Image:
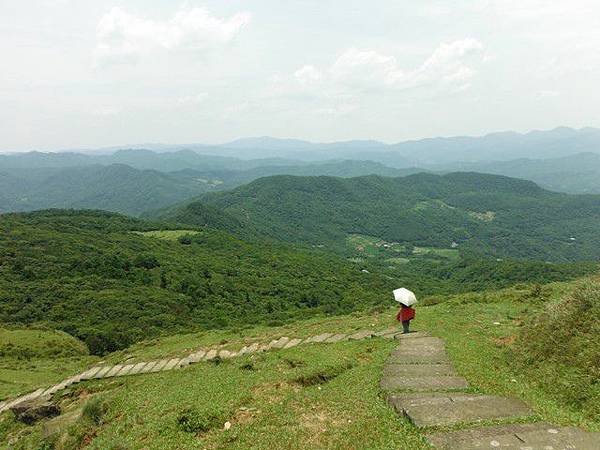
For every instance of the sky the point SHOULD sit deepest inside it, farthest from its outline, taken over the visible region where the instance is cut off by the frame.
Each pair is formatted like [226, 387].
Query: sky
[94, 73]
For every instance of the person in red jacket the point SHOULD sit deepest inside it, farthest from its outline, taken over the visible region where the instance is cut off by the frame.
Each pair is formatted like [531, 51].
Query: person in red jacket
[405, 315]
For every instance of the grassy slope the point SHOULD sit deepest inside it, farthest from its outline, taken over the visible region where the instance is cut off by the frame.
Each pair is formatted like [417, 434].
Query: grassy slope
[267, 400]
[31, 358]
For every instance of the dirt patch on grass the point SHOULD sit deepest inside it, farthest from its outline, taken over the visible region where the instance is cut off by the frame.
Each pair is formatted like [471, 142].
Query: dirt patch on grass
[323, 375]
[273, 392]
[505, 341]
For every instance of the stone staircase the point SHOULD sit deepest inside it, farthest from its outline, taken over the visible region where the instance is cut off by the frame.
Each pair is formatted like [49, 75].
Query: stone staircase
[421, 384]
[161, 365]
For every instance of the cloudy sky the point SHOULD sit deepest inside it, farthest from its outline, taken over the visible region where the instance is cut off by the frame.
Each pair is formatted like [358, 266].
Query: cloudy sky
[91, 73]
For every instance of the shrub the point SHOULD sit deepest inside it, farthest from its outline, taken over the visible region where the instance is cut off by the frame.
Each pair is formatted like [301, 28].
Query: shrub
[94, 410]
[195, 421]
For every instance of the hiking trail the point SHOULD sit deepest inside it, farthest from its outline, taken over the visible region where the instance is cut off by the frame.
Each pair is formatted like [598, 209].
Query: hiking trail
[421, 383]
[124, 369]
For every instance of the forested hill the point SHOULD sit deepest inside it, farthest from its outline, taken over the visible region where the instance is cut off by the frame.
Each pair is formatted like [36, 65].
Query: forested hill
[110, 281]
[489, 214]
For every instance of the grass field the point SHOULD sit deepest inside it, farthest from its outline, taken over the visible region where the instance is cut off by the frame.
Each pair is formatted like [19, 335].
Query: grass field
[169, 235]
[313, 396]
[395, 253]
[33, 358]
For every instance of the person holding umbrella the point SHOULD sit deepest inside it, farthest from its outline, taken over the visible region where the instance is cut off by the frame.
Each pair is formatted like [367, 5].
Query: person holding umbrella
[406, 299]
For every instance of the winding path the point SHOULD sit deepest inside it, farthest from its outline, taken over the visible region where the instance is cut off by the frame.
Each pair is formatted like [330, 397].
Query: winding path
[421, 384]
[199, 355]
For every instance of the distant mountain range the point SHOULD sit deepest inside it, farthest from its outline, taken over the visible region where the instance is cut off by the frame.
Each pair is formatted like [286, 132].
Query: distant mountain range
[135, 180]
[504, 146]
[126, 189]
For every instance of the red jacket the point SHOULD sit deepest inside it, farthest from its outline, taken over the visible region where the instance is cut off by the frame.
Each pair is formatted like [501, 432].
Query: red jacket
[405, 314]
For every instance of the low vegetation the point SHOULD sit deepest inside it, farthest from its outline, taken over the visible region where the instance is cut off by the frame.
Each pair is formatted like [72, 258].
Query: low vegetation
[560, 348]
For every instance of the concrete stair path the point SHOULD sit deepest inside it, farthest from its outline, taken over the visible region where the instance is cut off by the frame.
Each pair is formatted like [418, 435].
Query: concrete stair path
[422, 385]
[199, 355]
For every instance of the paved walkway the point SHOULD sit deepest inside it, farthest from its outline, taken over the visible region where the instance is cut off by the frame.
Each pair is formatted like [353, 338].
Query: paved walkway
[200, 355]
[421, 384]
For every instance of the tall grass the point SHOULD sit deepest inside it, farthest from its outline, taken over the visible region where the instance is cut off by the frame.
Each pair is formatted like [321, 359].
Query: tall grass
[561, 347]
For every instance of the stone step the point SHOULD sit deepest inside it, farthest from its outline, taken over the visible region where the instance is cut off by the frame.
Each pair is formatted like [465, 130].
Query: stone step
[125, 370]
[137, 368]
[279, 343]
[102, 372]
[336, 338]
[171, 364]
[148, 367]
[412, 335]
[423, 383]
[531, 436]
[293, 343]
[319, 338]
[428, 356]
[159, 365]
[427, 410]
[415, 370]
[421, 342]
[359, 335]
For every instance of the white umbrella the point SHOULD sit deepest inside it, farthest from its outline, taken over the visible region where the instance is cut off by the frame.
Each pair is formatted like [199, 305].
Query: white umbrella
[405, 296]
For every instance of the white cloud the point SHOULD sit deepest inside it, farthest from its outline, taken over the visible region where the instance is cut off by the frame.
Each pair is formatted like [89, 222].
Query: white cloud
[308, 74]
[122, 37]
[451, 64]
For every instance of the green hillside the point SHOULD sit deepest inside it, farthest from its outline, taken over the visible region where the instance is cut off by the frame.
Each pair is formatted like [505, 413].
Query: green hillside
[116, 187]
[89, 274]
[483, 214]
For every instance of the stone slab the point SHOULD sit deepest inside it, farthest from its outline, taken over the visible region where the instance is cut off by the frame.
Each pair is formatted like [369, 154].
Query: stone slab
[197, 356]
[432, 383]
[137, 368]
[320, 338]
[415, 370]
[420, 342]
[225, 354]
[336, 338]
[386, 331]
[280, 343]
[210, 355]
[412, 335]
[293, 343]
[391, 335]
[453, 408]
[359, 335]
[252, 348]
[102, 372]
[517, 436]
[439, 357]
[171, 364]
[115, 370]
[125, 370]
[88, 374]
[148, 367]
[159, 365]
